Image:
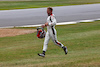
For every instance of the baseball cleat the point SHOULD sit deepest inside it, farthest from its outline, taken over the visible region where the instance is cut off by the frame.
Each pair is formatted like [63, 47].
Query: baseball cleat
[42, 55]
[65, 50]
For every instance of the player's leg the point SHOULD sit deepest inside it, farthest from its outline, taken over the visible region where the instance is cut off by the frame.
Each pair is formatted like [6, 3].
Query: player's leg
[56, 42]
[47, 38]
[53, 35]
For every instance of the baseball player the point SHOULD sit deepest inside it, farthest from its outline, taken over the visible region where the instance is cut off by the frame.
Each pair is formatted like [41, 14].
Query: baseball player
[51, 32]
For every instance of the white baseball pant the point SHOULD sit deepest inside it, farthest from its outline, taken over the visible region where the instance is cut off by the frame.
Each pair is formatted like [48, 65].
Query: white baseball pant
[53, 35]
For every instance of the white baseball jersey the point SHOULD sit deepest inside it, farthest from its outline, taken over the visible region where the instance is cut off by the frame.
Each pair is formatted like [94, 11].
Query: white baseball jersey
[51, 32]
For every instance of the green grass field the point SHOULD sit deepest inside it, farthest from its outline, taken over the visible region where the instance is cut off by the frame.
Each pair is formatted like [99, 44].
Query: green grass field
[82, 40]
[9, 5]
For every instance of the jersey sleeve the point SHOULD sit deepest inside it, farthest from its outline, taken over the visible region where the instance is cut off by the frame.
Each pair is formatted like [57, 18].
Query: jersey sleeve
[52, 21]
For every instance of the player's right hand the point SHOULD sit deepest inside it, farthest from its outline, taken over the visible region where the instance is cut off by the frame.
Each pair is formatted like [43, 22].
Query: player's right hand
[43, 26]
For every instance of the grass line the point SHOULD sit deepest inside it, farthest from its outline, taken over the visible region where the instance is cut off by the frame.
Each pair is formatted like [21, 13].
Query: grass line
[9, 5]
[82, 40]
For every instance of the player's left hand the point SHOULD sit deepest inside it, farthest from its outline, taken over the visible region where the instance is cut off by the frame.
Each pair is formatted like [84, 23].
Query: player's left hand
[46, 24]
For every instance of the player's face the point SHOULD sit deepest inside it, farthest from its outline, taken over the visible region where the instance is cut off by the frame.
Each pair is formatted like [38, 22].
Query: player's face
[49, 12]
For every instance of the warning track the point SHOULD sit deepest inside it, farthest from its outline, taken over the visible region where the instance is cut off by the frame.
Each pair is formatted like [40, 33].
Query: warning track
[15, 32]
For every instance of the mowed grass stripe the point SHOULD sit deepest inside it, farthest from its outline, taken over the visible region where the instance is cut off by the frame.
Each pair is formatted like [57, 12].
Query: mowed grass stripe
[78, 58]
[82, 40]
[9, 5]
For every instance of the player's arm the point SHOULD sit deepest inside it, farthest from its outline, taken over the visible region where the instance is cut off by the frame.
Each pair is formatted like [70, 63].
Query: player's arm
[53, 21]
[46, 24]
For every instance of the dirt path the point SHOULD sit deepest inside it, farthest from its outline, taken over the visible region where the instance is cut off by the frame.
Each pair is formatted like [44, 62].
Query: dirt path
[14, 32]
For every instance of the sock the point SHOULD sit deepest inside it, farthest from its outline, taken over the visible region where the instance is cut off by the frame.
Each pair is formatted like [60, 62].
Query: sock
[63, 47]
[44, 52]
